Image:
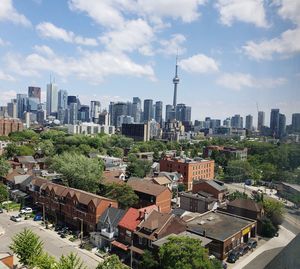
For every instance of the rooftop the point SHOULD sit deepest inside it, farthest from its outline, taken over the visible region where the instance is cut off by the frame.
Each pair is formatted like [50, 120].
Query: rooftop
[161, 180]
[217, 225]
[198, 196]
[213, 183]
[188, 160]
[246, 204]
[146, 186]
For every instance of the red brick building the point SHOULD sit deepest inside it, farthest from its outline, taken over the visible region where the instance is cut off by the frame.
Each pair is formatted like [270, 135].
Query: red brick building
[190, 169]
[8, 125]
[68, 205]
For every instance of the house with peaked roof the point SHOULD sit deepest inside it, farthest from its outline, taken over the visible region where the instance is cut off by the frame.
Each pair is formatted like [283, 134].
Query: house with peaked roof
[214, 187]
[151, 194]
[69, 206]
[107, 227]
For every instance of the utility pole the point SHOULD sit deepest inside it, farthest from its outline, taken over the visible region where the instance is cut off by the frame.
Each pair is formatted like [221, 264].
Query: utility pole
[131, 253]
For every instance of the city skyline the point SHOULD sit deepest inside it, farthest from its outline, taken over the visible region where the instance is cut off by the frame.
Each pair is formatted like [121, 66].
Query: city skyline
[230, 59]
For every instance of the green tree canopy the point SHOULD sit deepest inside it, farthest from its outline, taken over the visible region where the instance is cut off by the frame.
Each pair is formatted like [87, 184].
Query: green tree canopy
[274, 210]
[4, 167]
[78, 171]
[112, 262]
[148, 261]
[72, 261]
[237, 195]
[45, 261]
[123, 193]
[3, 193]
[27, 246]
[184, 253]
[46, 147]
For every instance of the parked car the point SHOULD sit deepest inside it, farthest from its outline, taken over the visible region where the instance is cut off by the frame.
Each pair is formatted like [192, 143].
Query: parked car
[38, 218]
[26, 210]
[16, 218]
[252, 243]
[243, 249]
[233, 256]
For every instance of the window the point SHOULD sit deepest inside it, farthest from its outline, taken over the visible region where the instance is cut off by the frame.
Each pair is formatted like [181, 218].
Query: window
[140, 240]
[150, 243]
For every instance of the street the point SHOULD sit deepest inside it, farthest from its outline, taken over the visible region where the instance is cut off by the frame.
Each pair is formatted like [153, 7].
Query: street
[53, 244]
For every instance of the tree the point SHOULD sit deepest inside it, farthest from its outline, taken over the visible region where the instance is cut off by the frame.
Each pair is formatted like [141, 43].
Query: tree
[274, 210]
[112, 262]
[123, 193]
[11, 150]
[4, 167]
[116, 152]
[78, 171]
[45, 261]
[72, 261]
[268, 228]
[238, 171]
[136, 167]
[237, 195]
[148, 261]
[3, 193]
[25, 150]
[182, 252]
[46, 147]
[27, 246]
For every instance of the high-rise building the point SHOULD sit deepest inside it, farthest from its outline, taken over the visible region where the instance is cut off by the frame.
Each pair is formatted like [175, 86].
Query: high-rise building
[237, 121]
[73, 108]
[136, 109]
[71, 99]
[34, 92]
[274, 122]
[175, 82]
[227, 122]
[84, 113]
[148, 107]
[111, 113]
[249, 122]
[119, 109]
[104, 118]
[95, 111]
[282, 126]
[12, 109]
[158, 111]
[260, 120]
[170, 113]
[296, 122]
[52, 98]
[62, 99]
[183, 112]
[32, 104]
[21, 105]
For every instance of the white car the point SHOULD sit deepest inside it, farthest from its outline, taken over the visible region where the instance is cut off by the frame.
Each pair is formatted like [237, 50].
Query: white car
[16, 218]
[26, 210]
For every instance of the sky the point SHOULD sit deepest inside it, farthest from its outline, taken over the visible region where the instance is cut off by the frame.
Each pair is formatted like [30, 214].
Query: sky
[234, 56]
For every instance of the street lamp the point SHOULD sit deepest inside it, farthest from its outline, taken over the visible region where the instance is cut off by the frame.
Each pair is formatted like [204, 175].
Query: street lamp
[81, 229]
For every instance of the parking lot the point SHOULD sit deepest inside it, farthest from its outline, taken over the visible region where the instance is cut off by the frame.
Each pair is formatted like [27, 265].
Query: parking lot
[53, 243]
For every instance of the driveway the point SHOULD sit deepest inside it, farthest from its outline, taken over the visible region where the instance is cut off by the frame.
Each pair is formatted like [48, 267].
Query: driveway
[53, 244]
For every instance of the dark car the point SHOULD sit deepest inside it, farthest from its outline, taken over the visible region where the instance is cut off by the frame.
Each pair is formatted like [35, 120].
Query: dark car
[243, 249]
[38, 218]
[233, 256]
[252, 243]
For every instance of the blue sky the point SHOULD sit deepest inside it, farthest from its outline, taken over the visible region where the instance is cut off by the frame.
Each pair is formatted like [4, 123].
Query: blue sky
[232, 54]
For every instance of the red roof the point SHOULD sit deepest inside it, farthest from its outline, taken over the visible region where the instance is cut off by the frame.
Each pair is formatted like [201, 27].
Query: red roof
[133, 217]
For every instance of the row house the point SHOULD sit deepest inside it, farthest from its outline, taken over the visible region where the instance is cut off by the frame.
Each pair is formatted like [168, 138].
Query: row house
[70, 206]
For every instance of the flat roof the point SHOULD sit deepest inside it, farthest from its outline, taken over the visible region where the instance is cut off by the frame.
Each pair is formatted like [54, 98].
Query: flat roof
[217, 225]
[294, 186]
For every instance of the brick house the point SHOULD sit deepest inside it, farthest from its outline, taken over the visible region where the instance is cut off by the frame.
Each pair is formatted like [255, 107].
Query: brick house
[68, 205]
[9, 125]
[190, 169]
[151, 194]
[214, 187]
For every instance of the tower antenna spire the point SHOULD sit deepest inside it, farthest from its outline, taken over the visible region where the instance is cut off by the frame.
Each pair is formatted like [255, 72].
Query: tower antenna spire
[175, 82]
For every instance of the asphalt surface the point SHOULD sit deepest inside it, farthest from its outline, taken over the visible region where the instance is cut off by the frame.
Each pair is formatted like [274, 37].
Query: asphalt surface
[53, 244]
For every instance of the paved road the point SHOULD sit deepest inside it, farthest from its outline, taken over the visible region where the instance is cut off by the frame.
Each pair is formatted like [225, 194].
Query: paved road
[53, 244]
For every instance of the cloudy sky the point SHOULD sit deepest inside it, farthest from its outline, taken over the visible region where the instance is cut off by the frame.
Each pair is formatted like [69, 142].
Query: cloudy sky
[233, 54]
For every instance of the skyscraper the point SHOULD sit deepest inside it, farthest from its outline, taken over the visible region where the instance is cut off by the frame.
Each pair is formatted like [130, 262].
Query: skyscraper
[175, 82]
[12, 109]
[34, 92]
[170, 113]
[62, 99]
[183, 112]
[274, 122]
[158, 111]
[282, 126]
[21, 105]
[71, 99]
[52, 98]
[119, 109]
[148, 106]
[136, 109]
[95, 111]
[237, 121]
[260, 120]
[296, 122]
[73, 109]
[249, 122]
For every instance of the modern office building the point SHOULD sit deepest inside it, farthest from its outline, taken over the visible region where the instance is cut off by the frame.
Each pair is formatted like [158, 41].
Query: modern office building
[170, 113]
[32, 104]
[12, 108]
[136, 109]
[148, 108]
[52, 98]
[124, 119]
[137, 131]
[104, 118]
[119, 109]
[73, 110]
[158, 111]
[21, 105]
[296, 122]
[260, 120]
[34, 92]
[95, 111]
[282, 126]
[183, 112]
[84, 113]
[274, 122]
[237, 121]
[62, 99]
[249, 122]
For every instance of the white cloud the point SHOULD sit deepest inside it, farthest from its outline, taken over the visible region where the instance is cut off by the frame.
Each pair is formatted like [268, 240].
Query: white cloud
[45, 50]
[3, 42]
[9, 13]
[49, 30]
[6, 96]
[199, 63]
[289, 9]
[132, 35]
[7, 77]
[90, 66]
[249, 11]
[287, 44]
[238, 81]
[173, 45]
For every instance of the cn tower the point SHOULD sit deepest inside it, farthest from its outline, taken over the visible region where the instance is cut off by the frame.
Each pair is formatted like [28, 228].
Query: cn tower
[175, 81]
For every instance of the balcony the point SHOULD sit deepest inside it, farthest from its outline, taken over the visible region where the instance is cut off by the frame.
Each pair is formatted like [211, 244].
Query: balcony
[107, 234]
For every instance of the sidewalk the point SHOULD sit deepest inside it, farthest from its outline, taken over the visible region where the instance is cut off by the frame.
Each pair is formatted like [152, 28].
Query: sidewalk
[285, 236]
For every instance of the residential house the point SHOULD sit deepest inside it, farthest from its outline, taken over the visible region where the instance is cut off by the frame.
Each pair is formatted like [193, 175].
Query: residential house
[107, 228]
[6, 260]
[70, 206]
[151, 194]
[18, 179]
[214, 187]
[26, 162]
[162, 181]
